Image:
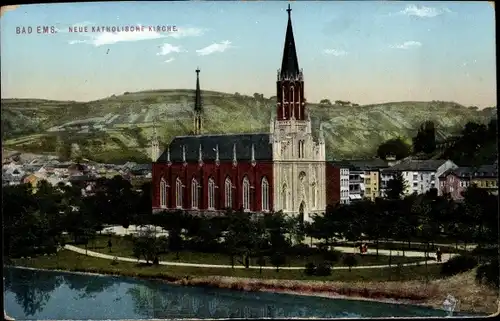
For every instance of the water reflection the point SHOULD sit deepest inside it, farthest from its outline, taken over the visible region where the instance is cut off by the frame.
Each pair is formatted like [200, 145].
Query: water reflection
[54, 295]
[31, 289]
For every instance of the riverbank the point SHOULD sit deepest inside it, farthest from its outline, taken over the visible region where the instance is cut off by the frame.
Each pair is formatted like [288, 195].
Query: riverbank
[405, 285]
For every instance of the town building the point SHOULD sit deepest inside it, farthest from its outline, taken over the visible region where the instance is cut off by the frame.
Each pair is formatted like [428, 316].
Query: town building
[283, 169]
[455, 181]
[369, 171]
[486, 177]
[420, 176]
[337, 182]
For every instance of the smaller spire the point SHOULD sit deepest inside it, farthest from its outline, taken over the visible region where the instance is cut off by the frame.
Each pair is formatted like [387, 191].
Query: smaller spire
[321, 134]
[168, 155]
[200, 155]
[234, 155]
[253, 155]
[184, 153]
[217, 161]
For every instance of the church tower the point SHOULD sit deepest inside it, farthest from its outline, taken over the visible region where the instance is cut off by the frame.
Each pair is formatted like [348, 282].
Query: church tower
[290, 84]
[298, 159]
[198, 109]
[155, 143]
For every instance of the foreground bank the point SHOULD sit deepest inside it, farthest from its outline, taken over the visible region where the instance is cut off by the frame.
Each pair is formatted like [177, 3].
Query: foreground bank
[403, 285]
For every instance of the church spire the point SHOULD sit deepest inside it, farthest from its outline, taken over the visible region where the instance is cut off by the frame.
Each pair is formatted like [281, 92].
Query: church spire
[290, 63]
[155, 144]
[198, 109]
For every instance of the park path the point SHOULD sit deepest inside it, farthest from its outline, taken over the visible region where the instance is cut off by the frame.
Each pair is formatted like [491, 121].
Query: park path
[79, 250]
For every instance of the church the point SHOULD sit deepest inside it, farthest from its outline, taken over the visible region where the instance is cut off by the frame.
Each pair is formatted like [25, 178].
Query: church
[281, 170]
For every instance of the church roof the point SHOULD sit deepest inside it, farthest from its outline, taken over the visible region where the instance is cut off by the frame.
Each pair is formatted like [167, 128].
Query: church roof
[225, 143]
[290, 63]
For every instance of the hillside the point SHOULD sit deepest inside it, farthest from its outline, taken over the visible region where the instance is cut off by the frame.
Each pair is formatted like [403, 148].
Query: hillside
[120, 126]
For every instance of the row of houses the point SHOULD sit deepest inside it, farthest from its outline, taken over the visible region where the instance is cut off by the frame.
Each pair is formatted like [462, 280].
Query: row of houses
[353, 180]
[55, 172]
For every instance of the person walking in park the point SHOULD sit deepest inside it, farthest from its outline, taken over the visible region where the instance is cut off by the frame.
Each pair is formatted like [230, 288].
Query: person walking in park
[438, 254]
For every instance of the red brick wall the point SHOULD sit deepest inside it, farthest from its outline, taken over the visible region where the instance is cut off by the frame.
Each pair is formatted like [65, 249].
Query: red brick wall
[219, 173]
[332, 184]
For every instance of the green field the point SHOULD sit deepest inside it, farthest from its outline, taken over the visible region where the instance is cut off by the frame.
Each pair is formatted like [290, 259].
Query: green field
[123, 247]
[125, 121]
[71, 261]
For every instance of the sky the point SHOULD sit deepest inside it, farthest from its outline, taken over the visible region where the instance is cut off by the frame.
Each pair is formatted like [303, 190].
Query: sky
[361, 51]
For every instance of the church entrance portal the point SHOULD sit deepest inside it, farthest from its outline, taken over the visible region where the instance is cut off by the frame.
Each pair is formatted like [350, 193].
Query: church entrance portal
[301, 211]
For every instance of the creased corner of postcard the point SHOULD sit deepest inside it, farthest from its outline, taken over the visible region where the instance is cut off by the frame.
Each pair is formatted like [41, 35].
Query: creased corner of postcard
[4, 9]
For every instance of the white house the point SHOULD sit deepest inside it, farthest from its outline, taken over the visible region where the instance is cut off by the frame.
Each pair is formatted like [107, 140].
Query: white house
[419, 175]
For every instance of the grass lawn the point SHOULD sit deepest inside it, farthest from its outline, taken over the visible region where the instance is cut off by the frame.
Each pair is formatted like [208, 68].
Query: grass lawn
[404, 246]
[71, 261]
[123, 247]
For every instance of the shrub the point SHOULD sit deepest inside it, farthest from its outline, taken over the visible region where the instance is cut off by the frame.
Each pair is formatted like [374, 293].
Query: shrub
[332, 256]
[310, 269]
[350, 261]
[324, 269]
[458, 264]
[488, 274]
[302, 250]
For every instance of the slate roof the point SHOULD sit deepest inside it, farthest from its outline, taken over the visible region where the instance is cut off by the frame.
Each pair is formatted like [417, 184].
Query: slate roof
[142, 167]
[486, 171]
[369, 164]
[462, 172]
[429, 165]
[483, 171]
[262, 147]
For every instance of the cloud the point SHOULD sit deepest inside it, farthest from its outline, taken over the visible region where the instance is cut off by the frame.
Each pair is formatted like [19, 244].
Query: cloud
[406, 45]
[213, 48]
[422, 11]
[167, 49]
[4, 9]
[169, 60]
[108, 38]
[335, 52]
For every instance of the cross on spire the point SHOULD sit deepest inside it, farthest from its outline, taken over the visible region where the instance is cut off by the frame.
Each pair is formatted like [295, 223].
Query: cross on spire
[289, 10]
[197, 70]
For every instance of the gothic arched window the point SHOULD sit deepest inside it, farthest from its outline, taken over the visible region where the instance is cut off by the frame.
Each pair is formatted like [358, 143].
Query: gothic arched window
[246, 194]
[283, 197]
[178, 193]
[211, 194]
[265, 194]
[163, 193]
[228, 193]
[194, 194]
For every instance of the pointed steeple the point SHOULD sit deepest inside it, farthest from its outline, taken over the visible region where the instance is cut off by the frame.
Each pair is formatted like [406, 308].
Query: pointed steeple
[198, 108]
[200, 155]
[217, 154]
[235, 160]
[197, 98]
[155, 144]
[290, 63]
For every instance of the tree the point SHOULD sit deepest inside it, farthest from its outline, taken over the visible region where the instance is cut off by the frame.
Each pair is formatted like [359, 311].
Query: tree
[325, 102]
[278, 259]
[394, 147]
[146, 245]
[396, 187]
[425, 140]
[350, 261]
